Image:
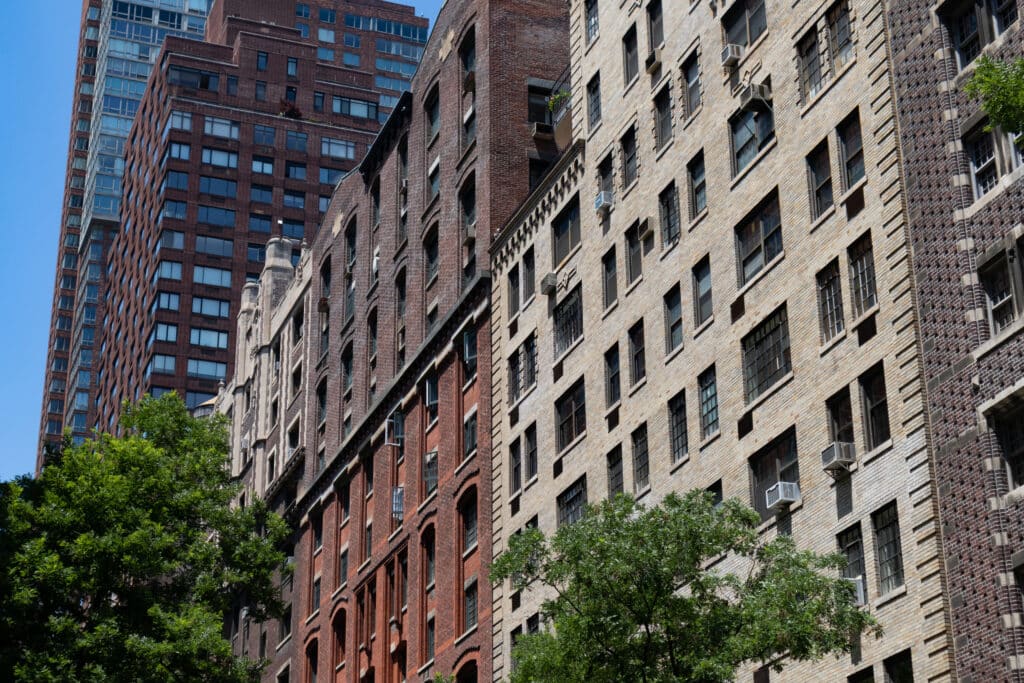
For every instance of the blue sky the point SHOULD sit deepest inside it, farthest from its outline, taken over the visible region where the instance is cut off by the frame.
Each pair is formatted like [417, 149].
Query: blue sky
[36, 86]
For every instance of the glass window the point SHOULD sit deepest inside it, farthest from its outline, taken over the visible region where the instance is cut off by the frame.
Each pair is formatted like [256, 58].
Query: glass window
[708, 402]
[876, 407]
[830, 301]
[612, 380]
[776, 462]
[702, 297]
[637, 354]
[668, 207]
[630, 59]
[572, 502]
[615, 471]
[673, 319]
[862, 275]
[594, 101]
[629, 157]
[851, 150]
[677, 433]
[566, 230]
[766, 354]
[745, 22]
[752, 130]
[819, 179]
[568, 321]
[759, 238]
[609, 279]
[691, 79]
[571, 415]
[641, 463]
[888, 548]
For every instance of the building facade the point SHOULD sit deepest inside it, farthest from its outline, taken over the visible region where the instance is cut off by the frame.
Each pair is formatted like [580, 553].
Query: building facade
[360, 403]
[964, 201]
[713, 290]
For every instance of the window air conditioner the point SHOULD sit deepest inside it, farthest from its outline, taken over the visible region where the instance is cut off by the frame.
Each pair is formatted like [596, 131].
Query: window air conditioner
[782, 494]
[838, 456]
[603, 202]
[755, 95]
[731, 55]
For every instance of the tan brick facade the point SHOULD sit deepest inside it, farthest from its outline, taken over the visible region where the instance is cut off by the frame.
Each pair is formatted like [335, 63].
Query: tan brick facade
[788, 394]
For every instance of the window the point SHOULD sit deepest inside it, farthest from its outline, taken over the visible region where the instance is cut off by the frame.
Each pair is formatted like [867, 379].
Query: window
[819, 179]
[431, 254]
[295, 170]
[430, 398]
[974, 25]
[612, 382]
[469, 354]
[176, 180]
[851, 546]
[673, 319]
[220, 158]
[634, 254]
[263, 165]
[840, 416]
[900, 667]
[668, 205]
[629, 157]
[566, 231]
[470, 609]
[703, 307]
[530, 451]
[840, 35]
[637, 360]
[997, 280]
[888, 548]
[337, 149]
[221, 128]
[571, 415]
[594, 101]
[263, 194]
[830, 302]
[529, 275]
[609, 278]
[468, 517]
[876, 407]
[759, 238]
[430, 474]
[708, 386]
[206, 369]
[663, 118]
[432, 109]
[218, 187]
[568, 321]
[261, 61]
[851, 150]
[655, 25]
[591, 19]
[217, 277]
[766, 356]
[862, 275]
[776, 462]
[641, 464]
[745, 22]
[615, 471]
[630, 59]
[261, 91]
[169, 270]
[691, 79]
[677, 434]
[752, 130]
[469, 437]
[215, 339]
[296, 141]
[178, 150]
[572, 502]
[515, 467]
[809, 56]
[698, 185]
[327, 15]
[522, 369]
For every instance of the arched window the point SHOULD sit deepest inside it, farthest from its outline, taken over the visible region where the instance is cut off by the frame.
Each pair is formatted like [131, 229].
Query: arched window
[338, 629]
[312, 662]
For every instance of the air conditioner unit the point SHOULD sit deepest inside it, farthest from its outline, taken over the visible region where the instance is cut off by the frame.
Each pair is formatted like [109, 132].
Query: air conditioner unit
[837, 456]
[646, 229]
[782, 494]
[548, 284]
[653, 61]
[604, 201]
[469, 237]
[755, 95]
[860, 598]
[731, 55]
[542, 131]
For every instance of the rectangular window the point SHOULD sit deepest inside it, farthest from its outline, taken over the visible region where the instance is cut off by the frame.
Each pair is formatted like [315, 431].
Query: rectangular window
[900, 667]
[612, 382]
[637, 360]
[615, 471]
[221, 128]
[851, 150]
[830, 302]
[691, 77]
[996, 280]
[609, 278]
[469, 436]
[851, 546]
[261, 61]
[214, 246]
[776, 462]
[591, 19]
[888, 548]
[568, 321]
[862, 275]
[630, 58]
[296, 141]
[530, 451]
[819, 180]
[594, 101]
[840, 416]
[629, 157]
[337, 149]
[745, 22]
[217, 277]
[840, 35]
[515, 467]
[876, 407]
[668, 205]
[759, 238]
[698, 185]
[703, 307]
[673, 319]
[663, 118]
[572, 501]
[634, 253]
[469, 602]
[571, 415]
[809, 56]
[752, 129]
[220, 158]
[708, 402]
[295, 170]
[678, 436]
[641, 464]
[513, 291]
[565, 231]
[766, 354]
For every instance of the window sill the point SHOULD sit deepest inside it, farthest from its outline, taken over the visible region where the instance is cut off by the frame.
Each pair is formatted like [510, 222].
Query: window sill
[431, 281]
[526, 304]
[522, 397]
[425, 668]
[426, 501]
[568, 257]
[634, 81]
[571, 445]
[693, 116]
[469, 382]
[670, 356]
[823, 218]
[831, 343]
[666, 250]
[430, 426]
[895, 593]
[317, 551]
[611, 307]
[679, 463]
[464, 636]
[465, 461]
[572, 347]
[660, 151]
[364, 565]
[708, 440]
[703, 326]
[769, 392]
[632, 184]
[754, 162]
[469, 551]
[642, 492]
[529, 483]
[338, 590]
[284, 641]
[312, 616]
[637, 386]
[995, 342]
[843, 198]
[633, 285]
[864, 316]
[612, 408]
[876, 452]
[395, 533]
[816, 97]
[593, 130]
[340, 666]
[759, 275]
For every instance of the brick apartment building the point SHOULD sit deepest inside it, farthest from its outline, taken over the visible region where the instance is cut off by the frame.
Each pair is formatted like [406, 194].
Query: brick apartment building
[964, 198]
[713, 289]
[234, 141]
[360, 402]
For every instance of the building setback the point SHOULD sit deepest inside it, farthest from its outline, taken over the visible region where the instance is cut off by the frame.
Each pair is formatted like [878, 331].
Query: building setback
[713, 290]
[965, 204]
[360, 404]
[233, 142]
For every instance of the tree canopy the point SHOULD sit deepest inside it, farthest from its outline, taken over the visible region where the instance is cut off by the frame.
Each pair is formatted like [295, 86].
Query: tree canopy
[640, 594]
[120, 560]
[1000, 85]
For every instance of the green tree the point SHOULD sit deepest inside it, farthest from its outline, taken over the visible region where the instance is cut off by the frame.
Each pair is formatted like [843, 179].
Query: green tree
[1000, 86]
[639, 595]
[119, 561]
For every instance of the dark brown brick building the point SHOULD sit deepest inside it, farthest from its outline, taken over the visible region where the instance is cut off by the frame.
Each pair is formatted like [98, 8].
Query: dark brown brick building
[236, 139]
[965, 204]
[361, 399]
